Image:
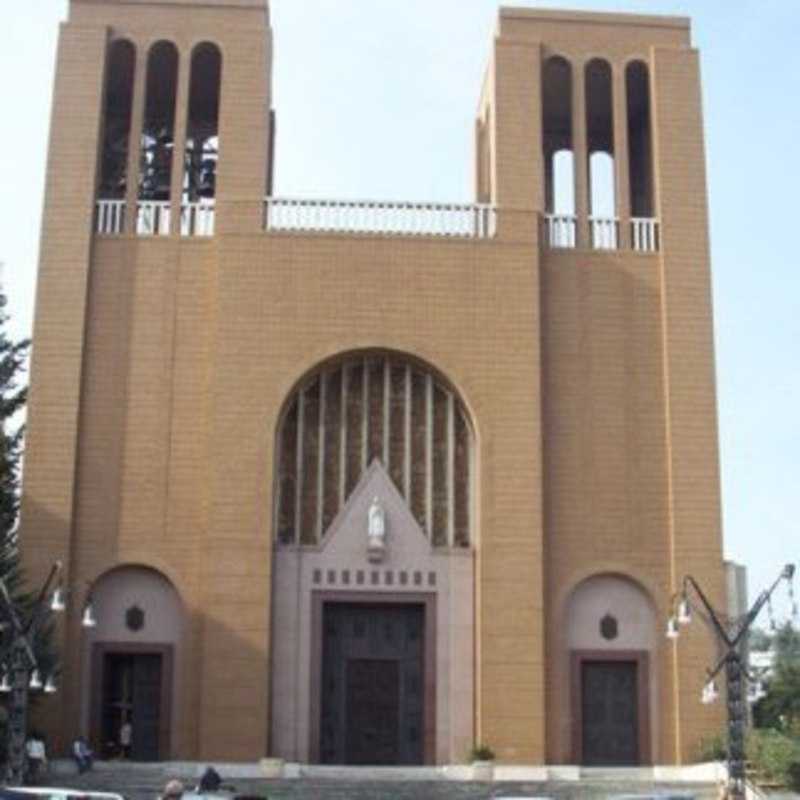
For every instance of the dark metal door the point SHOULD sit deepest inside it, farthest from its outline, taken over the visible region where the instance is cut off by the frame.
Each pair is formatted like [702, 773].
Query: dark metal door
[132, 691]
[372, 684]
[610, 714]
[146, 720]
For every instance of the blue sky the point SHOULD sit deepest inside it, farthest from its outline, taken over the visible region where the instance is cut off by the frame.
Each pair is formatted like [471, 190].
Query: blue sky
[376, 98]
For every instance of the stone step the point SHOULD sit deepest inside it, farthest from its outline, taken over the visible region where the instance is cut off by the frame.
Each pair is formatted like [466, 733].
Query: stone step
[146, 785]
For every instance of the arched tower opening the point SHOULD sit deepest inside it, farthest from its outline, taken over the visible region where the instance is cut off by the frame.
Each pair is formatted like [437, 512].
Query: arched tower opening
[640, 140]
[117, 112]
[559, 156]
[158, 139]
[603, 226]
[201, 153]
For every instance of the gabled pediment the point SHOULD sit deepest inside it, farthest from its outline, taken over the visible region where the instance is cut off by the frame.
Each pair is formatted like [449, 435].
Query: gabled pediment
[347, 535]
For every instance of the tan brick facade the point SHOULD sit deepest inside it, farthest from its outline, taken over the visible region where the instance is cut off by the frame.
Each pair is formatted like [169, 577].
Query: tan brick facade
[162, 365]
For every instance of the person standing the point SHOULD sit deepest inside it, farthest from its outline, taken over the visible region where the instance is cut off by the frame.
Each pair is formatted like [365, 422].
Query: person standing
[82, 754]
[126, 738]
[37, 756]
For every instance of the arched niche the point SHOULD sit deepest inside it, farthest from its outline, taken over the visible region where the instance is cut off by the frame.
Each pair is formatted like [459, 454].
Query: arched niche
[132, 660]
[612, 638]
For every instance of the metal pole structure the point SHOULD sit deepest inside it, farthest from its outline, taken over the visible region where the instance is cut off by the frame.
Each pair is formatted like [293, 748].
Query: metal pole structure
[20, 662]
[730, 635]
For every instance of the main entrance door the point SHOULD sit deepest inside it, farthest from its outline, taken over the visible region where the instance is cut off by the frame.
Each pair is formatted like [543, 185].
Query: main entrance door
[372, 710]
[131, 690]
[609, 713]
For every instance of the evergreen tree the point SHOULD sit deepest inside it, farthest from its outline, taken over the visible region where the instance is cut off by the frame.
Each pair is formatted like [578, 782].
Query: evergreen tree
[13, 394]
[780, 707]
[13, 356]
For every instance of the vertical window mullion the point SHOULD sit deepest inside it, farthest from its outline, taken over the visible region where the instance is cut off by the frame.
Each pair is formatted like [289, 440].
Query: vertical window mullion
[323, 391]
[298, 499]
[387, 395]
[450, 470]
[343, 440]
[407, 446]
[429, 454]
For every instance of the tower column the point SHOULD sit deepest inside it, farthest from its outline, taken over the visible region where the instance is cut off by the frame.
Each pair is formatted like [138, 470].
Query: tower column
[622, 156]
[135, 146]
[179, 140]
[580, 157]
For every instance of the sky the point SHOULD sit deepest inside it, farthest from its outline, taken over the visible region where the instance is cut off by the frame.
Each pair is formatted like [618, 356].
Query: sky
[376, 100]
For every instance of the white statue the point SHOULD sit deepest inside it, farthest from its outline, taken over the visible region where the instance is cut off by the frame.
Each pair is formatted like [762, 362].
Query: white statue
[376, 531]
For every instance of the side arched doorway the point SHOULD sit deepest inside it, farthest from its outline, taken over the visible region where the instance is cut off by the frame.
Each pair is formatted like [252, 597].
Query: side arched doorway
[372, 636]
[611, 635]
[132, 660]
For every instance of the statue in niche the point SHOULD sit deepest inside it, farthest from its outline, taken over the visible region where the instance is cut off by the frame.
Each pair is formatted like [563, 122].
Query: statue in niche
[376, 532]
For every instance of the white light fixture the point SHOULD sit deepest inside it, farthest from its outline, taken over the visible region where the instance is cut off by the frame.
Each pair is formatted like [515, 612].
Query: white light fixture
[5, 684]
[89, 620]
[50, 685]
[57, 603]
[684, 612]
[710, 693]
[36, 680]
[672, 628]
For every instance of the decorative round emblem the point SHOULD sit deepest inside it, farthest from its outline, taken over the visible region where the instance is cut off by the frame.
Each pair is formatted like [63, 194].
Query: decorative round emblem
[609, 627]
[134, 618]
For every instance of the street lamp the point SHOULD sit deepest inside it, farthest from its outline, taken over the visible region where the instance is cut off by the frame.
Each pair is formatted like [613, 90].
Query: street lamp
[18, 664]
[731, 634]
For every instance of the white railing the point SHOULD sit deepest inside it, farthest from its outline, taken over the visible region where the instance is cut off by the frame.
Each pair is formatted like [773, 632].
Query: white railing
[560, 230]
[645, 234]
[457, 220]
[152, 218]
[197, 219]
[603, 233]
[110, 217]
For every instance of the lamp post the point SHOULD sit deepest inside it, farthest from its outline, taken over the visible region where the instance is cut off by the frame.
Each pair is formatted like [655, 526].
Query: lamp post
[731, 635]
[20, 668]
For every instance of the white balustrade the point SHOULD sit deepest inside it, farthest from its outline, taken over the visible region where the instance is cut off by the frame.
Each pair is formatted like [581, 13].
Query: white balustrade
[454, 220]
[197, 219]
[153, 218]
[645, 234]
[110, 217]
[603, 233]
[560, 230]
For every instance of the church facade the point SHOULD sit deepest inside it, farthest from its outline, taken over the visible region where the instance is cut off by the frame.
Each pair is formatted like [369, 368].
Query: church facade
[368, 483]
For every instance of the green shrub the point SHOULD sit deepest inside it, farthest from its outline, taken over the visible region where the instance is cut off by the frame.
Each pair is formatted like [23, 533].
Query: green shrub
[794, 776]
[481, 752]
[712, 749]
[772, 755]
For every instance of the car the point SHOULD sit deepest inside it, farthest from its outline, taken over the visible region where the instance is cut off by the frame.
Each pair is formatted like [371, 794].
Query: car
[50, 793]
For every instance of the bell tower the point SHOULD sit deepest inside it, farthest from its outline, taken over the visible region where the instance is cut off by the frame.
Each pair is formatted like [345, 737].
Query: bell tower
[160, 138]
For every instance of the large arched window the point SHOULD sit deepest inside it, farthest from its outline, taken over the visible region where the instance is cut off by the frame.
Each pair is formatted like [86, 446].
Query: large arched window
[158, 138]
[637, 81]
[365, 408]
[117, 120]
